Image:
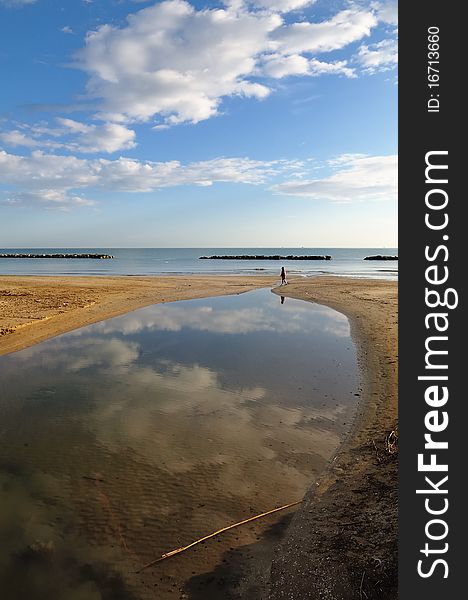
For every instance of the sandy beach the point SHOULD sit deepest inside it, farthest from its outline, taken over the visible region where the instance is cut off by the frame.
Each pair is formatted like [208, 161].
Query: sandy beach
[341, 543]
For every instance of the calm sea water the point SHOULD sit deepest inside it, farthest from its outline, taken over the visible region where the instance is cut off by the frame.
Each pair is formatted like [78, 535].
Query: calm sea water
[136, 435]
[159, 261]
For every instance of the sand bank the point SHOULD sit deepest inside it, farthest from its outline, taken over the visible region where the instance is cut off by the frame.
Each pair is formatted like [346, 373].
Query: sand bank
[341, 543]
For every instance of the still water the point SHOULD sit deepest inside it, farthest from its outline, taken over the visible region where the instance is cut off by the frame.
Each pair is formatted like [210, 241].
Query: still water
[134, 436]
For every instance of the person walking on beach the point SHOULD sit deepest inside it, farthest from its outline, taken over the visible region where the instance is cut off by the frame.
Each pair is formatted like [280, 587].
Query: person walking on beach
[283, 276]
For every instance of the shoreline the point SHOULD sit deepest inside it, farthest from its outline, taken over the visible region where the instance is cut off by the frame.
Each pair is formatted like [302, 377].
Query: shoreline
[341, 542]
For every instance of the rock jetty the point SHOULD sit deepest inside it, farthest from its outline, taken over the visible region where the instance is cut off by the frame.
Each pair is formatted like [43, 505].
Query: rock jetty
[381, 257]
[265, 257]
[100, 256]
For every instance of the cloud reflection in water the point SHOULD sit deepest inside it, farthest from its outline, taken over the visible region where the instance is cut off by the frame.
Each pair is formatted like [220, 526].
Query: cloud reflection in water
[195, 412]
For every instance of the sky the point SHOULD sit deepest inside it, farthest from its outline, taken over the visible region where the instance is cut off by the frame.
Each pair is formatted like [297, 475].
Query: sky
[133, 123]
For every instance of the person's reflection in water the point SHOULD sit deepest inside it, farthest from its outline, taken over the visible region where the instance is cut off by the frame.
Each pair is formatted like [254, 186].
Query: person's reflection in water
[282, 299]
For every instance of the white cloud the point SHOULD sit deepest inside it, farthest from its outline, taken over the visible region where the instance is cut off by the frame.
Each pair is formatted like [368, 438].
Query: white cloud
[175, 64]
[317, 67]
[55, 181]
[51, 180]
[109, 137]
[80, 137]
[62, 182]
[66, 29]
[344, 159]
[357, 178]
[387, 11]
[344, 28]
[278, 66]
[381, 56]
[175, 61]
[16, 138]
[49, 199]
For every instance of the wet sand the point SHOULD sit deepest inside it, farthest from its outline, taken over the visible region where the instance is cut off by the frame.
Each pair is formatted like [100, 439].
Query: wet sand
[341, 543]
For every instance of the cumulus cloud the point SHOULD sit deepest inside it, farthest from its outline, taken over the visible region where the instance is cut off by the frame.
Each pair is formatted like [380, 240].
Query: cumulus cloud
[174, 63]
[80, 137]
[278, 66]
[381, 56]
[18, 138]
[50, 180]
[344, 28]
[387, 11]
[108, 138]
[356, 178]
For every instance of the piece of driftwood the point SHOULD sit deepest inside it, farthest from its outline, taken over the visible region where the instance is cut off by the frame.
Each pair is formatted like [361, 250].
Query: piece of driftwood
[211, 535]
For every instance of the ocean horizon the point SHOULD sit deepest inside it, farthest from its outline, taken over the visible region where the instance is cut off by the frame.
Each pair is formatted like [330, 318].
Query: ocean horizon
[184, 261]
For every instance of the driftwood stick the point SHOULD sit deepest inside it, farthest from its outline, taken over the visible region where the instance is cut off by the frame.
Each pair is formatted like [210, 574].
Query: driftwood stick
[211, 535]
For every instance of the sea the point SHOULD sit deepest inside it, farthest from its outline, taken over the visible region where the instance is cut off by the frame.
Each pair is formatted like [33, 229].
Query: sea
[180, 261]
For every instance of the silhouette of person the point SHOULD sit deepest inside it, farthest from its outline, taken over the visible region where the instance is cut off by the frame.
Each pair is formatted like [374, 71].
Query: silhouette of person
[282, 299]
[283, 276]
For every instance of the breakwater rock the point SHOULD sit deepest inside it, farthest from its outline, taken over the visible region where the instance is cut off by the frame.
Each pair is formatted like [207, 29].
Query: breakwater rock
[381, 257]
[265, 257]
[99, 256]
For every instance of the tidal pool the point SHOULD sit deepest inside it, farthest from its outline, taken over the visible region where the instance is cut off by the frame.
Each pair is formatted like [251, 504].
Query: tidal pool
[139, 434]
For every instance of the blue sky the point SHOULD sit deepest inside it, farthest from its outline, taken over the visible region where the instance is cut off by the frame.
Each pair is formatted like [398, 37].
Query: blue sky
[235, 123]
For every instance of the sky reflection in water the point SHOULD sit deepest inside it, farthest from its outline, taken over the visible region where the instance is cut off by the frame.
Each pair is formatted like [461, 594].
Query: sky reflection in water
[122, 440]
